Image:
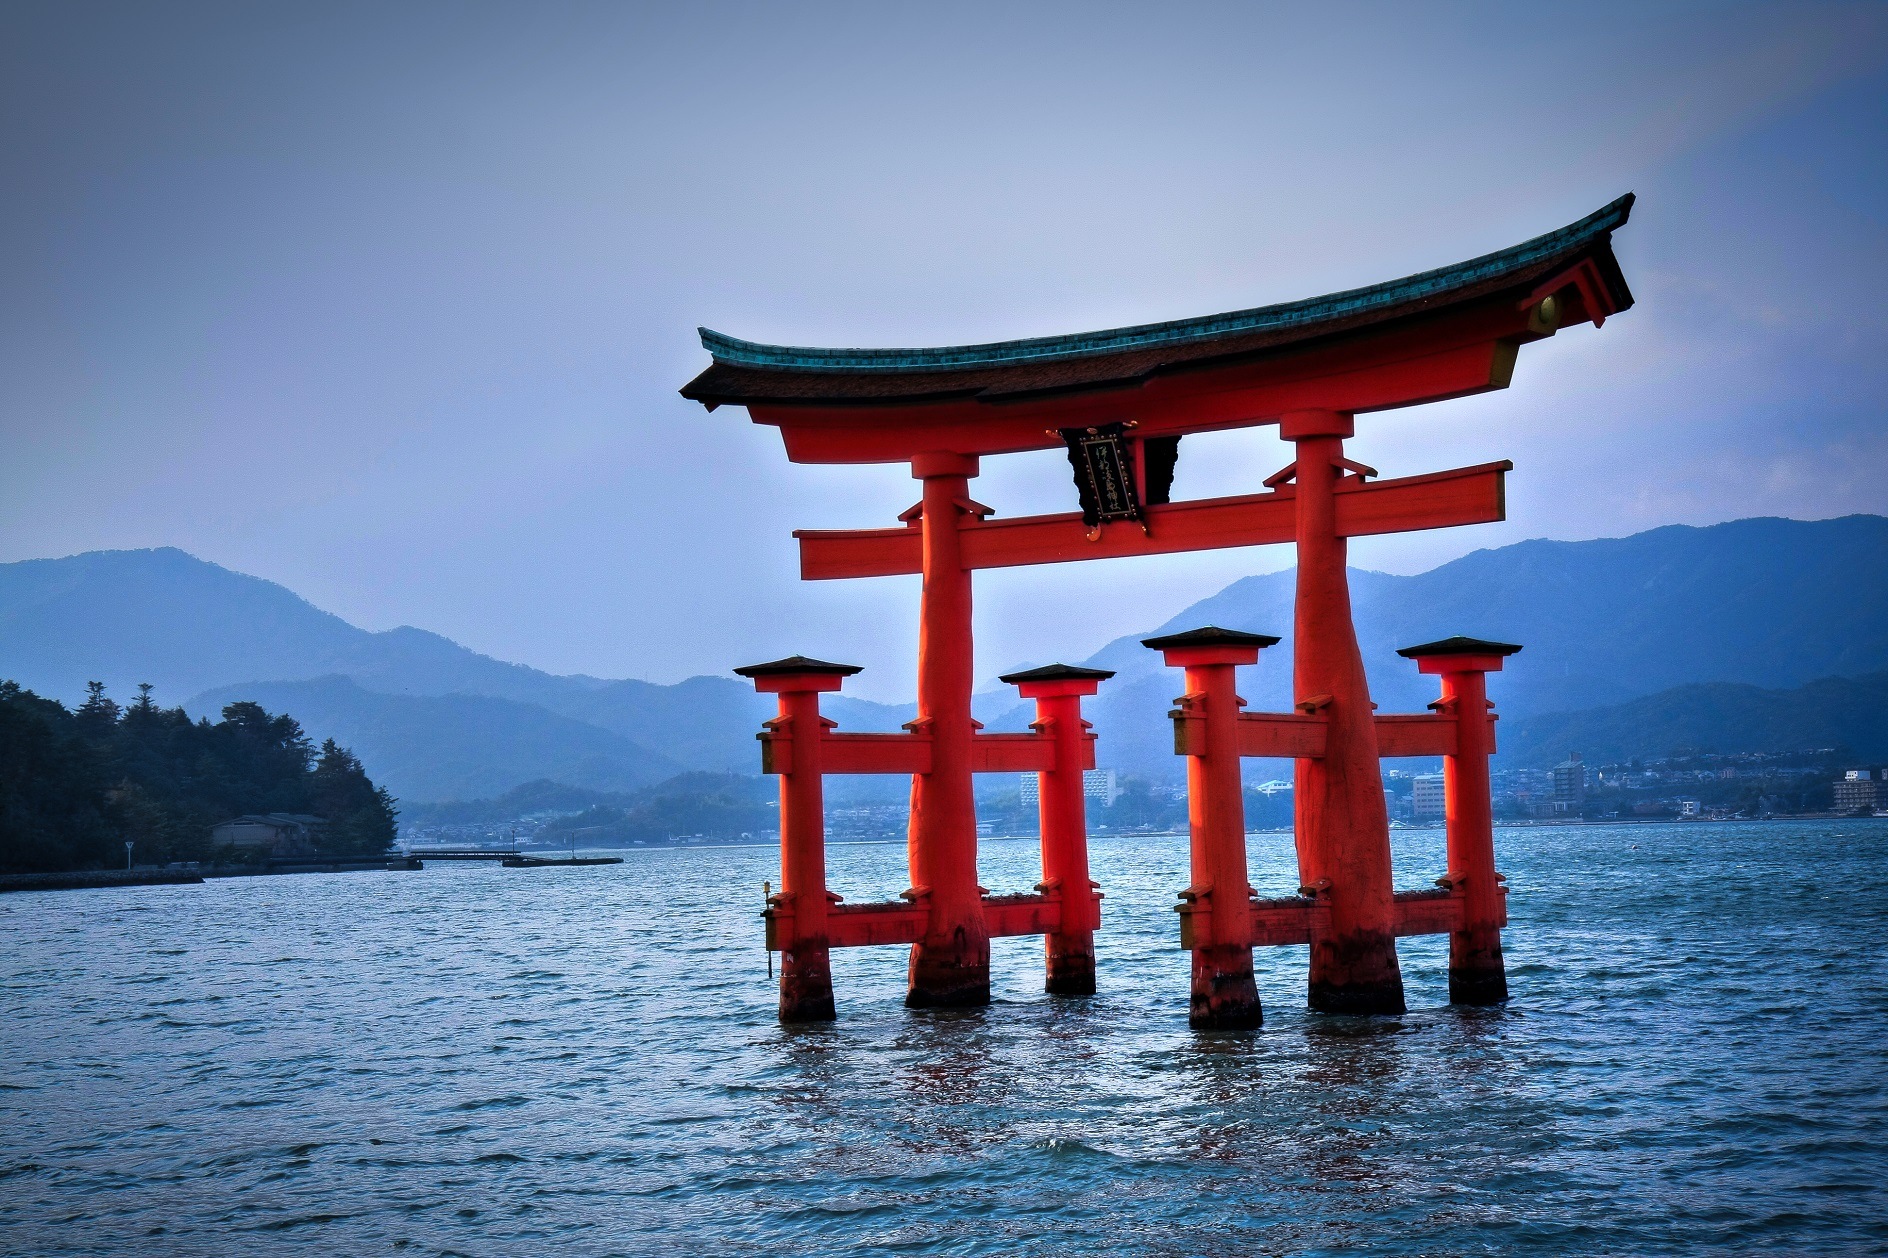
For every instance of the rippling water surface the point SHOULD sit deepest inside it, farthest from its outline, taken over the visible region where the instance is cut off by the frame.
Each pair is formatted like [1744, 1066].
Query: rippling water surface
[477, 1060]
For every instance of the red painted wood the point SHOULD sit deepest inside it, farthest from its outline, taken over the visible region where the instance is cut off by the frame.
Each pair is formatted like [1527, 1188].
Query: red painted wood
[898, 922]
[867, 925]
[1069, 950]
[1470, 495]
[1010, 915]
[1217, 914]
[878, 753]
[1014, 753]
[1402, 734]
[1342, 825]
[1477, 971]
[1280, 923]
[1470, 350]
[1427, 912]
[950, 965]
[1281, 735]
[1296, 920]
[806, 980]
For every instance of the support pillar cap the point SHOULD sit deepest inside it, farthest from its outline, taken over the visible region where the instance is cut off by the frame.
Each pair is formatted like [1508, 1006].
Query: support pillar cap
[1057, 679]
[1459, 655]
[797, 672]
[1210, 644]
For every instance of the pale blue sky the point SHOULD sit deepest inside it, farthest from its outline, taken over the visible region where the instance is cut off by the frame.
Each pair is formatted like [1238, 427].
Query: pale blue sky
[389, 303]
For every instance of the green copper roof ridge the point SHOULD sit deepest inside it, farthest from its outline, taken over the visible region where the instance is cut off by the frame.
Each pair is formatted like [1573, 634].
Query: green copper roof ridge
[728, 349]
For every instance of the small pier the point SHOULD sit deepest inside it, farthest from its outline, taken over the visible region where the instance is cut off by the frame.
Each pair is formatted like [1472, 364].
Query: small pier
[510, 858]
[465, 854]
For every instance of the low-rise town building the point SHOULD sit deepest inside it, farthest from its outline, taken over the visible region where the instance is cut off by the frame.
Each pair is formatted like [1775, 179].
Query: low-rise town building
[272, 835]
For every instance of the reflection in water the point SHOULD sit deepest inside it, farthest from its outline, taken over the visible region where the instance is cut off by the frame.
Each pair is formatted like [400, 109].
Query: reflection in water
[459, 1061]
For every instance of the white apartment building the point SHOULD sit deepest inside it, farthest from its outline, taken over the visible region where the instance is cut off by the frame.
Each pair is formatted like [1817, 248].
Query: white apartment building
[1097, 784]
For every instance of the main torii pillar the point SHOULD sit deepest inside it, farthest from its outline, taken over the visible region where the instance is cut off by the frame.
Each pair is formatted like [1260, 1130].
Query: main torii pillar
[951, 964]
[1341, 822]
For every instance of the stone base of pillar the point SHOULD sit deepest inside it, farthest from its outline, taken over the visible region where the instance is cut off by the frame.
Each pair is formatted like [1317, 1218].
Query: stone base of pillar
[953, 975]
[1356, 975]
[806, 984]
[1070, 968]
[1477, 973]
[1225, 997]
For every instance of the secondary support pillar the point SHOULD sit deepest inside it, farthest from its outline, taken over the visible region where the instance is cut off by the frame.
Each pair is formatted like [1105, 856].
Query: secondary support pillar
[1069, 950]
[1477, 973]
[1216, 911]
[1343, 826]
[797, 913]
[950, 966]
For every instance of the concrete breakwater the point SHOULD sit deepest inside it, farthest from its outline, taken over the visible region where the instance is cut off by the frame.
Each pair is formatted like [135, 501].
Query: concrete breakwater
[85, 879]
[76, 880]
[80, 879]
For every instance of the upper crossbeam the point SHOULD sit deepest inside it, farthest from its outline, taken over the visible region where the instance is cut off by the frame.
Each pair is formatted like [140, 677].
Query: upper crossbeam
[1469, 495]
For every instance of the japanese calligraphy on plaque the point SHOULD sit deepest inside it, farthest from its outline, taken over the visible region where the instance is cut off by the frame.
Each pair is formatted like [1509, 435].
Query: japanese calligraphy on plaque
[1103, 458]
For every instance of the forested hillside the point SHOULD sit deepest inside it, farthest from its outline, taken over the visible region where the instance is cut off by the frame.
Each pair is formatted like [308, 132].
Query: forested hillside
[76, 785]
[1844, 713]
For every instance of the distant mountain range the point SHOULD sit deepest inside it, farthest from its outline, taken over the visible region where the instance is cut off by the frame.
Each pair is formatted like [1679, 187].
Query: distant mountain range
[1763, 602]
[431, 719]
[1653, 629]
[1718, 716]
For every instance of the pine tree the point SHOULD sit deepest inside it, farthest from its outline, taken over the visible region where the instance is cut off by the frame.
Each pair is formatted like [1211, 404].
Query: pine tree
[360, 817]
[75, 784]
[98, 714]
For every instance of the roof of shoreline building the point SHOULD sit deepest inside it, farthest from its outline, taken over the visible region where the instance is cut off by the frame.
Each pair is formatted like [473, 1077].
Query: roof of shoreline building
[744, 371]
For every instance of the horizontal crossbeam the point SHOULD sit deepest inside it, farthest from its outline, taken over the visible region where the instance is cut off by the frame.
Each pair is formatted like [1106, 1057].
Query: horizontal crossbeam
[911, 753]
[1470, 495]
[1289, 920]
[850, 753]
[1282, 735]
[902, 922]
[1415, 735]
[1301, 736]
[1020, 753]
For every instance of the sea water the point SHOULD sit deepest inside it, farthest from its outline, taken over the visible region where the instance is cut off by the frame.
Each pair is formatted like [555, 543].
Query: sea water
[477, 1060]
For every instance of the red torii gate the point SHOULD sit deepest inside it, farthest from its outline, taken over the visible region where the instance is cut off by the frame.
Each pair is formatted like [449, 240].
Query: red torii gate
[1119, 401]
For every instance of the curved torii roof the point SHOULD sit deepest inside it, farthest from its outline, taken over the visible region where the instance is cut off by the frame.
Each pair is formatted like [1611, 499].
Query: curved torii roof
[1452, 331]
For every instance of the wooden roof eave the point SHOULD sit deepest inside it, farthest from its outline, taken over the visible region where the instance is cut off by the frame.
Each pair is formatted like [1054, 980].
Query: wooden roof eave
[1451, 353]
[1457, 343]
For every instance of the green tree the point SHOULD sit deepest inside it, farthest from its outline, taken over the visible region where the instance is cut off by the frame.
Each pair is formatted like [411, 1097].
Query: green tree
[360, 817]
[55, 808]
[75, 785]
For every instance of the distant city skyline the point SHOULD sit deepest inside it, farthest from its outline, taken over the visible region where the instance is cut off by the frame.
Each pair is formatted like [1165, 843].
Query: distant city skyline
[390, 305]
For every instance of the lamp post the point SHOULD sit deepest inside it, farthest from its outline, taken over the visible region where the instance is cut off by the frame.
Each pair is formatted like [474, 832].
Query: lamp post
[127, 855]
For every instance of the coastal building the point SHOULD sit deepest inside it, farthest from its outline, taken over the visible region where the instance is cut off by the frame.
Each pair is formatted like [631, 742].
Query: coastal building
[1099, 785]
[1426, 796]
[270, 834]
[1859, 790]
[1570, 785]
